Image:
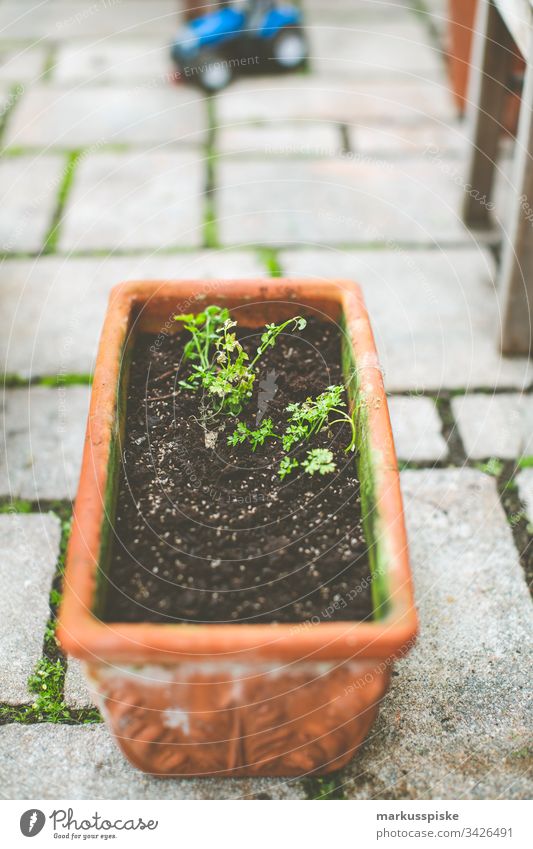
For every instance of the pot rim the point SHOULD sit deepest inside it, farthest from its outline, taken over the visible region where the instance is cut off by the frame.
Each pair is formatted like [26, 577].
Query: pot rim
[84, 636]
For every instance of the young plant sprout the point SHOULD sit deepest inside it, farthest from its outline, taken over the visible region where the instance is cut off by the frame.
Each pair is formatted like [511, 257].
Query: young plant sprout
[242, 433]
[232, 378]
[286, 466]
[319, 460]
[313, 415]
[203, 328]
[268, 338]
[306, 419]
[220, 365]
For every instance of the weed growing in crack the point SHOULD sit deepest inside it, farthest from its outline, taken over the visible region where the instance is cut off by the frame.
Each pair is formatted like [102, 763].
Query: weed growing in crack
[493, 467]
[46, 682]
[325, 787]
[16, 506]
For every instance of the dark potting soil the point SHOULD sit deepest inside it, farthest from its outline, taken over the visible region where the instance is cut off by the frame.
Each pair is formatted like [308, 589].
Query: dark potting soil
[211, 534]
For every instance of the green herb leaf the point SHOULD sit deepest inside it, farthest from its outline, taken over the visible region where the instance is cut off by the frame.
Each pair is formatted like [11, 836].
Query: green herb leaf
[319, 460]
[286, 466]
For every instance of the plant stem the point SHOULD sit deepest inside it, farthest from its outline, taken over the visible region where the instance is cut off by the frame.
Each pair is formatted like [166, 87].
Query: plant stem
[346, 418]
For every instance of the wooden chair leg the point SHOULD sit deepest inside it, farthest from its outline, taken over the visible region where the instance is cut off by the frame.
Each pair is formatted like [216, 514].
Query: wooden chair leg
[516, 273]
[492, 58]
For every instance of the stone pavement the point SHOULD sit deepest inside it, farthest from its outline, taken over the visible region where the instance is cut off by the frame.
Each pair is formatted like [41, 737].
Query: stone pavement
[353, 170]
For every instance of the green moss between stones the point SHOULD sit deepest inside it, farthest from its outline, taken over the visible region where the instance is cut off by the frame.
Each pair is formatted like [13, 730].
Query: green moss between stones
[15, 381]
[269, 258]
[52, 238]
[324, 787]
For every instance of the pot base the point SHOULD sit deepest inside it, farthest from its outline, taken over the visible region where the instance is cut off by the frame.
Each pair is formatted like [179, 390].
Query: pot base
[223, 719]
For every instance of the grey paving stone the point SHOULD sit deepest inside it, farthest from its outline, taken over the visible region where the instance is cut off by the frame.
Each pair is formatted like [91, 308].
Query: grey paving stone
[450, 139]
[495, 425]
[30, 186]
[298, 139]
[435, 314]
[63, 19]
[29, 546]
[21, 64]
[457, 718]
[417, 429]
[367, 142]
[83, 762]
[56, 116]
[436, 7]
[52, 309]
[308, 138]
[114, 60]
[43, 430]
[435, 13]
[337, 202]
[77, 693]
[362, 49]
[139, 200]
[335, 99]
[525, 489]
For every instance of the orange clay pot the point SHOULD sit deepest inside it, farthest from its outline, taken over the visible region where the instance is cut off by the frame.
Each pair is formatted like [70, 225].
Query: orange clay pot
[234, 699]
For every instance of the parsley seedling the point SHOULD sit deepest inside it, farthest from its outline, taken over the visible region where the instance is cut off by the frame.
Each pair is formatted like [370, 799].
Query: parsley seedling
[319, 460]
[268, 338]
[310, 417]
[220, 365]
[306, 420]
[286, 466]
[203, 328]
[257, 437]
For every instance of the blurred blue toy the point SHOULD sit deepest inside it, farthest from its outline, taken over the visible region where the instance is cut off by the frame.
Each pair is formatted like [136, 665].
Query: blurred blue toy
[240, 36]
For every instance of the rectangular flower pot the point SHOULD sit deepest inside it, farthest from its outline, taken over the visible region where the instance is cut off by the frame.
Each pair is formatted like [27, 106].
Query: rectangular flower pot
[238, 699]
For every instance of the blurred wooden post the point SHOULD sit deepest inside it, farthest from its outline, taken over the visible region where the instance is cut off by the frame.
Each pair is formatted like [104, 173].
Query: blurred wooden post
[517, 254]
[492, 59]
[501, 27]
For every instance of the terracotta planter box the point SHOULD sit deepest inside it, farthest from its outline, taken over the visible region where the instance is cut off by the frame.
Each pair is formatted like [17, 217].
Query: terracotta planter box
[238, 699]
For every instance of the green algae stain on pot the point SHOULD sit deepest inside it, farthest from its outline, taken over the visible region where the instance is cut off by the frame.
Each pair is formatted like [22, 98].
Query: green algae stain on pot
[367, 458]
[113, 478]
